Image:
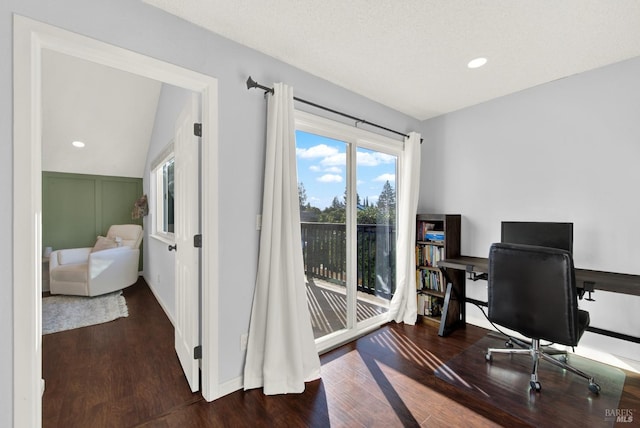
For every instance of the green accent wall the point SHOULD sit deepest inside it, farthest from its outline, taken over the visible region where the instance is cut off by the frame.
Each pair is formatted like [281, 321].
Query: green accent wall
[76, 208]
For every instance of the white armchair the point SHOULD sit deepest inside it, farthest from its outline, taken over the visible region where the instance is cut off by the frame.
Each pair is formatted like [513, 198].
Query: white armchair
[112, 264]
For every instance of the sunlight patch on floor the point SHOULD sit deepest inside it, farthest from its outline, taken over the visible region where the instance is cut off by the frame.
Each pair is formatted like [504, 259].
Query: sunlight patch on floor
[383, 396]
[436, 403]
[402, 345]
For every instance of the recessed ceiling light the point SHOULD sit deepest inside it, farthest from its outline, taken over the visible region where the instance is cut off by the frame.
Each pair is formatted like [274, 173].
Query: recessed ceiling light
[78, 144]
[476, 63]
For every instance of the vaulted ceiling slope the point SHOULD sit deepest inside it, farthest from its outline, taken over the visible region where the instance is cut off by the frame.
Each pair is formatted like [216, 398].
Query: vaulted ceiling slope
[109, 110]
[412, 55]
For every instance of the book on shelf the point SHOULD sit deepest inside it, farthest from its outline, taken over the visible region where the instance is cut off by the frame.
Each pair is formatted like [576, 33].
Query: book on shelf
[433, 306]
[423, 228]
[426, 232]
[422, 298]
[430, 306]
[429, 255]
[429, 280]
[433, 236]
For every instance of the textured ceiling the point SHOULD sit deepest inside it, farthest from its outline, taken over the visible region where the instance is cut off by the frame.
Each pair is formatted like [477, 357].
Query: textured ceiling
[411, 55]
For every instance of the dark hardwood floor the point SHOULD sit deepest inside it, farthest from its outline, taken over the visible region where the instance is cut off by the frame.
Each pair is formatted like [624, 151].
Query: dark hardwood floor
[125, 374]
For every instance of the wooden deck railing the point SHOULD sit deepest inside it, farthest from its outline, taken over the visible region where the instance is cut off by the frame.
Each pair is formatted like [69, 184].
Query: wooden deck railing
[324, 250]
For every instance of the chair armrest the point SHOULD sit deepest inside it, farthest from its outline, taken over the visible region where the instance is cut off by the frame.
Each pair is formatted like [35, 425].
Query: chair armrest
[112, 269]
[112, 257]
[69, 256]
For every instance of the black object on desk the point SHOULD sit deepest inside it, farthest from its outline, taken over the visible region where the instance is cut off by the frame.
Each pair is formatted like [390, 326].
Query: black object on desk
[541, 233]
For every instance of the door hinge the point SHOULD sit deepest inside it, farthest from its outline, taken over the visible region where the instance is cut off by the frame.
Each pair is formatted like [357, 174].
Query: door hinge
[197, 129]
[197, 352]
[197, 241]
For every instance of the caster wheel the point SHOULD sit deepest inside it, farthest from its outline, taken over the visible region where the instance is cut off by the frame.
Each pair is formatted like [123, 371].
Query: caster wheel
[535, 385]
[488, 357]
[563, 358]
[594, 387]
[508, 344]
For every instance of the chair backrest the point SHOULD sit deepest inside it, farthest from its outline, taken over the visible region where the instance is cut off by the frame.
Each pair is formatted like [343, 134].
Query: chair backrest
[131, 234]
[532, 291]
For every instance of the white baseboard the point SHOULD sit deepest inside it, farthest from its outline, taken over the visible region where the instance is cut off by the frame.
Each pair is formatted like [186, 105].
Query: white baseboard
[159, 300]
[230, 386]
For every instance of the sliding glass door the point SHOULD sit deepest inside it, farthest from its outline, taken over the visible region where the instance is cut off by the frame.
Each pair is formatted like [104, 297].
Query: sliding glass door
[347, 195]
[322, 164]
[375, 231]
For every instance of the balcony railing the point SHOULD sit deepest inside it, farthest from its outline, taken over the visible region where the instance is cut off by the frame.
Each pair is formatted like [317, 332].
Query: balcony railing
[324, 250]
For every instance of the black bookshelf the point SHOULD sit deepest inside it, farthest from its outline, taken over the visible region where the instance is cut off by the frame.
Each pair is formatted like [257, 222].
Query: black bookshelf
[440, 292]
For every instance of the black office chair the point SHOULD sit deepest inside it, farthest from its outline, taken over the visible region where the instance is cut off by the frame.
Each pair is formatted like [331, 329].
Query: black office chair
[532, 291]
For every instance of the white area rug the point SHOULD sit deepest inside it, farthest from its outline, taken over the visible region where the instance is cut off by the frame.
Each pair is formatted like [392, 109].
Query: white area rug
[61, 313]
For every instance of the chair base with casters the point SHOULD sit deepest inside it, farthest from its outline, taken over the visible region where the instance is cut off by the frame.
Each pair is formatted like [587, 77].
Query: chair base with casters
[538, 354]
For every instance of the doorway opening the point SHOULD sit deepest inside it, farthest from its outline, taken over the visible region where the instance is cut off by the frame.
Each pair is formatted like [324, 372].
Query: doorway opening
[30, 39]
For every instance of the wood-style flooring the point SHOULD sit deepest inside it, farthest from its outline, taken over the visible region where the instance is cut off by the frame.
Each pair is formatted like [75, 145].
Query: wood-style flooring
[125, 374]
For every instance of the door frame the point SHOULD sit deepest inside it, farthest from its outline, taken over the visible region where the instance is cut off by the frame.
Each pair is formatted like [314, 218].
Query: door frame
[30, 37]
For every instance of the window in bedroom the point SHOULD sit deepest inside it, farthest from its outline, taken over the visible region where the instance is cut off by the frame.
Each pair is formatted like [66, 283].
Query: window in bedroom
[163, 176]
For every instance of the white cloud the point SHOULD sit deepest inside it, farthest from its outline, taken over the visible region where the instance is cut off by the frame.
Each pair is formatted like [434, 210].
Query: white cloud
[386, 177]
[319, 151]
[330, 169]
[337, 159]
[374, 158]
[330, 178]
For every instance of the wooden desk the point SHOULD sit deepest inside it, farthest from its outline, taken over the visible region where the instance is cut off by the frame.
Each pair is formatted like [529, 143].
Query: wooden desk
[587, 281]
[478, 265]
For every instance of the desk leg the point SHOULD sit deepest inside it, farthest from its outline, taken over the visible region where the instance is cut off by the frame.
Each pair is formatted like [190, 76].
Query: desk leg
[451, 311]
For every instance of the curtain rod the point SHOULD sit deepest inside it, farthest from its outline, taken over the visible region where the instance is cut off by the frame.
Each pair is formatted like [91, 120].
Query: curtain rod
[253, 84]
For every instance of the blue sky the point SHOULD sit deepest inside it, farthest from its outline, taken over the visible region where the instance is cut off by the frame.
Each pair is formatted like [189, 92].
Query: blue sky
[322, 169]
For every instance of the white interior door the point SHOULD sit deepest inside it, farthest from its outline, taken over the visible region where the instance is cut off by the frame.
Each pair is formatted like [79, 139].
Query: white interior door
[187, 224]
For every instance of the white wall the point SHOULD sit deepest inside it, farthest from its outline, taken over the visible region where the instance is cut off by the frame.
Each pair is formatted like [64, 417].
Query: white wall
[144, 29]
[563, 151]
[6, 230]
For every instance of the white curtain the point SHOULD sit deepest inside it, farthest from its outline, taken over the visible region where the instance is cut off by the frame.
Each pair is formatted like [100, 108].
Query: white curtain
[403, 306]
[281, 352]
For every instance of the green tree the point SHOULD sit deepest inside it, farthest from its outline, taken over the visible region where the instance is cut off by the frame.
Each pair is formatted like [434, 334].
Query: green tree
[344, 197]
[368, 215]
[302, 195]
[387, 204]
[336, 213]
[308, 213]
